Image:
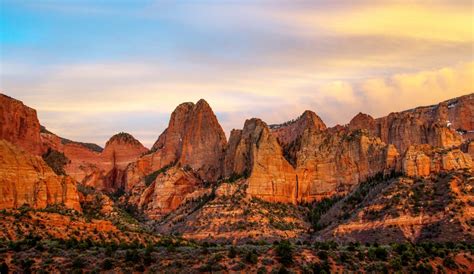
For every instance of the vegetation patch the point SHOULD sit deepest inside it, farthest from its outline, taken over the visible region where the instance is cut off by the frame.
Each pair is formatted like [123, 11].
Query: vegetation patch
[150, 178]
[56, 160]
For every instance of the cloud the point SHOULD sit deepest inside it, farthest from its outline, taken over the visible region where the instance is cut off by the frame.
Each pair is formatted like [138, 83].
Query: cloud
[437, 21]
[91, 74]
[403, 91]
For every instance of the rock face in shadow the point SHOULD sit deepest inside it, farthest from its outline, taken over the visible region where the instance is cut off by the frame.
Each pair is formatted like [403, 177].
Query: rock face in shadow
[26, 179]
[19, 125]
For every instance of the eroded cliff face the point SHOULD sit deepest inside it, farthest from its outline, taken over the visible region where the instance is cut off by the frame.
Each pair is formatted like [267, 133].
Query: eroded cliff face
[26, 179]
[423, 160]
[443, 125]
[19, 125]
[165, 193]
[272, 178]
[330, 164]
[326, 162]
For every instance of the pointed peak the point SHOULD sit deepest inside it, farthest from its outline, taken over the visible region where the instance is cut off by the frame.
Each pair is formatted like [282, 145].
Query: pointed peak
[202, 102]
[308, 113]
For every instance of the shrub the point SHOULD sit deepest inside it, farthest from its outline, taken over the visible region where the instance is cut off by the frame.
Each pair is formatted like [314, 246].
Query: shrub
[284, 250]
[78, 263]
[4, 268]
[232, 252]
[323, 255]
[107, 264]
[344, 257]
[396, 263]
[132, 256]
[251, 257]
[283, 270]
[424, 268]
[450, 263]
[321, 267]
[320, 208]
[381, 253]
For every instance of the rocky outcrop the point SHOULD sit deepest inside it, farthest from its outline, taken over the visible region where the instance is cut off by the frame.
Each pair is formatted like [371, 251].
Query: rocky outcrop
[19, 125]
[27, 180]
[166, 192]
[423, 160]
[330, 164]
[254, 151]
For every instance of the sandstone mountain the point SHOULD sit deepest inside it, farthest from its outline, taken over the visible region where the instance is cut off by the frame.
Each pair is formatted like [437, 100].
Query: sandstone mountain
[406, 177]
[193, 138]
[192, 171]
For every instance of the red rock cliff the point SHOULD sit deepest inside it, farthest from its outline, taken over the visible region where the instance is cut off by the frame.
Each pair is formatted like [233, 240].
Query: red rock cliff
[19, 125]
[443, 125]
[27, 179]
[254, 151]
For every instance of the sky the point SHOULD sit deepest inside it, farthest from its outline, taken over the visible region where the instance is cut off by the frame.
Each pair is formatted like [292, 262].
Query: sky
[95, 68]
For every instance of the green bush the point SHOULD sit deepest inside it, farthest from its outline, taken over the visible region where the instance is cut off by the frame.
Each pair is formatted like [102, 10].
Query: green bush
[318, 209]
[251, 257]
[232, 252]
[323, 255]
[4, 268]
[284, 251]
[424, 268]
[107, 264]
[152, 176]
[450, 263]
[321, 267]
